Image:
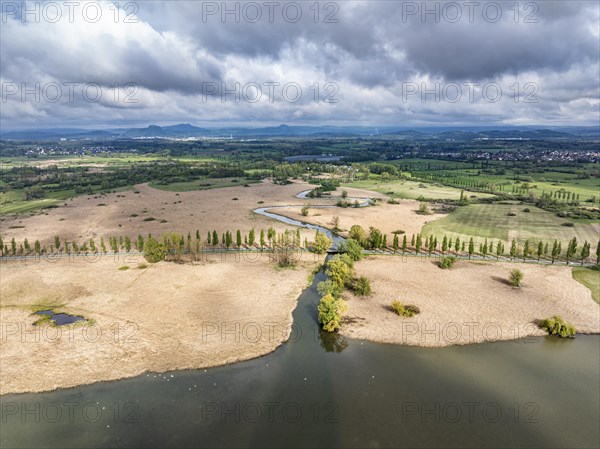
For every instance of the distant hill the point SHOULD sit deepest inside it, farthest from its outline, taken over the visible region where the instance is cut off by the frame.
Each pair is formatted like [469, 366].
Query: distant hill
[186, 130]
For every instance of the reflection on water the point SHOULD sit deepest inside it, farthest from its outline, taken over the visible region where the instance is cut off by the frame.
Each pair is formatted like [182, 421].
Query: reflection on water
[60, 318]
[332, 341]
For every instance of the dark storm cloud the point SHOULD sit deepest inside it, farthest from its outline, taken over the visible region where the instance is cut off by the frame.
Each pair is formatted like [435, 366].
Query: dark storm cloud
[368, 48]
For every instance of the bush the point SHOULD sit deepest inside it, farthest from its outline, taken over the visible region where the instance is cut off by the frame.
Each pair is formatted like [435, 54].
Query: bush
[423, 209]
[142, 266]
[352, 248]
[123, 268]
[149, 219]
[362, 286]
[447, 262]
[331, 311]
[153, 251]
[304, 211]
[393, 201]
[405, 310]
[557, 326]
[526, 210]
[516, 277]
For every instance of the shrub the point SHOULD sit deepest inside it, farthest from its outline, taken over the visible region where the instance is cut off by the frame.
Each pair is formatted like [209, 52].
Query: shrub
[234, 199]
[304, 211]
[123, 268]
[447, 262]
[153, 251]
[331, 311]
[405, 310]
[362, 286]
[322, 243]
[393, 201]
[557, 326]
[512, 214]
[423, 209]
[399, 231]
[568, 224]
[142, 266]
[101, 204]
[516, 277]
[352, 248]
[526, 210]
[149, 219]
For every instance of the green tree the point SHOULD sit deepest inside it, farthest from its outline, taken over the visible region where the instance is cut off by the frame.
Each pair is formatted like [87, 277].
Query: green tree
[262, 238]
[358, 233]
[540, 250]
[238, 239]
[418, 244]
[251, 237]
[526, 250]
[140, 242]
[395, 243]
[127, 244]
[571, 249]
[404, 244]
[322, 243]
[457, 245]
[471, 247]
[499, 249]
[555, 251]
[484, 250]
[153, 251]
[513, 249]
[215, 238]
[375, 238]
[444, 245]
[331, 311]
[57, 242]
[102, 245]
[585, 251]
[352, 248]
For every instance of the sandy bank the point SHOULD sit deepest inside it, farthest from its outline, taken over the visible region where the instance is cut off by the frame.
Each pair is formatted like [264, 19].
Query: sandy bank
[165, 317]
[470, 303]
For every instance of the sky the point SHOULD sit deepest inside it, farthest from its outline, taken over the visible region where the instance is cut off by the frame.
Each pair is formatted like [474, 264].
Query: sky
[357, 63]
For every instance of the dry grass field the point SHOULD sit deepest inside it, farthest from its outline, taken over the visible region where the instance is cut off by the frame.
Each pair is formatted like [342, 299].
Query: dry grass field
[470, 303]
[164, 317]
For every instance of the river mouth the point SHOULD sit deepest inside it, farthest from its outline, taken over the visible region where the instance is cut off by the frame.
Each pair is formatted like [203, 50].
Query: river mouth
[60, 319]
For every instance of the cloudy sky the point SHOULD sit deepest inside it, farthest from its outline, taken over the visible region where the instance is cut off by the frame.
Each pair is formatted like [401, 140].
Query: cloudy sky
[92, 64]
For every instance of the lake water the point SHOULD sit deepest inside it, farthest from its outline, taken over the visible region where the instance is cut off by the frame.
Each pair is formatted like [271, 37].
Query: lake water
[325, 391]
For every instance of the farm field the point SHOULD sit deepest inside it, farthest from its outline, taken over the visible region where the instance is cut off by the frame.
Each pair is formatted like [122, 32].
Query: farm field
[494, 222]
[414, 190]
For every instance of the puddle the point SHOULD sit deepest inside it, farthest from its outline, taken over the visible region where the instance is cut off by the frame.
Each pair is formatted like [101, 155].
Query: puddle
[60, 318]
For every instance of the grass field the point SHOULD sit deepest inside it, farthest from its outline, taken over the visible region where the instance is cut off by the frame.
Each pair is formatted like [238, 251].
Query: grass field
[412, 190]
[201, 184]
[590, 278]
[13, 203]
[493, 221]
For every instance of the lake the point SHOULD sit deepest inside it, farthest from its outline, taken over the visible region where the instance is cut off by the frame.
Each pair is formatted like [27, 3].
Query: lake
[325, 390]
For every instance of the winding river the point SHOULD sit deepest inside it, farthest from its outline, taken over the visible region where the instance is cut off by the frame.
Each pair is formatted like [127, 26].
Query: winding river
[322, 390]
